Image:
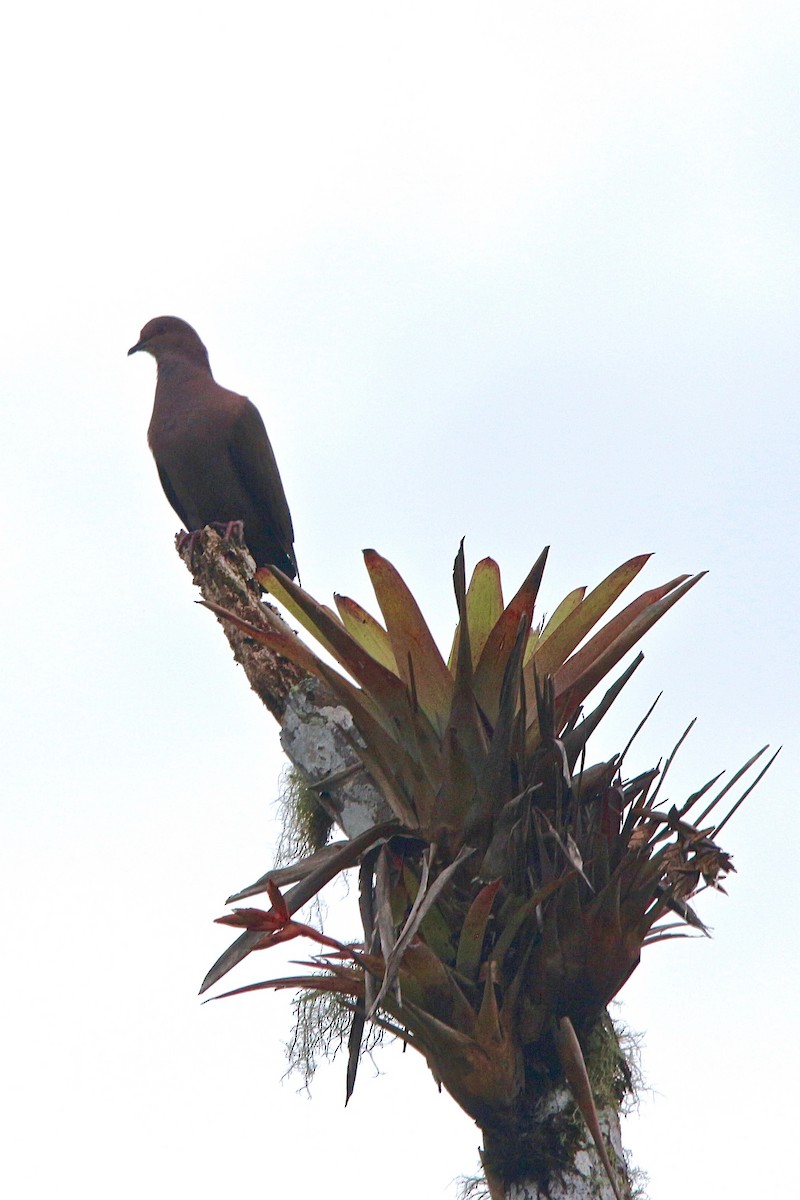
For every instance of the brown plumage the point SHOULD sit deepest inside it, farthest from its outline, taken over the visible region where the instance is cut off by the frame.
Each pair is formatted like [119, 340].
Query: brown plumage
[212, 452]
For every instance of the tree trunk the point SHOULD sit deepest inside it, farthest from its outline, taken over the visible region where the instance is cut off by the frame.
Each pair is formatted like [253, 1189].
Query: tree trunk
[548, 1153]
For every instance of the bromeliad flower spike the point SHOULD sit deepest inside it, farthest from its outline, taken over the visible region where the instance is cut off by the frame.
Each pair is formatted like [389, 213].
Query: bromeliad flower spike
[509, 899]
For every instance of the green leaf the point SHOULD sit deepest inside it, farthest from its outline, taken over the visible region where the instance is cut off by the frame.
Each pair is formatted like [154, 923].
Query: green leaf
[473, 931]
[516, 911]
[597, 645]
[465, 744]
[490, 671]
[497, 781]
[484, 605]
[424, 899]
[567, 605]
[572, 697]
[354, 1048]
[427, 982]
[575, 739]
[290, 874]
[275, 583]
[382, 685]
[306, 983]
[433, 926]
[365, 630]
[419, 661]
[552, 653]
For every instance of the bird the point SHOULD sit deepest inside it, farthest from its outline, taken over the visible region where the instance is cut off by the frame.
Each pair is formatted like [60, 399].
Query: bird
[211, 448]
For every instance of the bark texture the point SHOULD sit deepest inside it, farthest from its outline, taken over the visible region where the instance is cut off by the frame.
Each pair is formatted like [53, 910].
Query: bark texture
[225, 574]
[318, 737]
[317, 733]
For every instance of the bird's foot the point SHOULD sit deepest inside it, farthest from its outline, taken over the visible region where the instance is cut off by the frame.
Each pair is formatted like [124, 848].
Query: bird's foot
[186, 540]
[232, 531]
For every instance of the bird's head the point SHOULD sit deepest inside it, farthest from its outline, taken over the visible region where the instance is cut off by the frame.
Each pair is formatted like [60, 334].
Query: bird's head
[165, 337]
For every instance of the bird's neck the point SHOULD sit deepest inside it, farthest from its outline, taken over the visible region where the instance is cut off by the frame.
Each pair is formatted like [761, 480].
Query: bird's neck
[180, 368]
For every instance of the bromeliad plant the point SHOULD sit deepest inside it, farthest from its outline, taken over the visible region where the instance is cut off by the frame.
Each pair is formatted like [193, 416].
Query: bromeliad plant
[509, 899]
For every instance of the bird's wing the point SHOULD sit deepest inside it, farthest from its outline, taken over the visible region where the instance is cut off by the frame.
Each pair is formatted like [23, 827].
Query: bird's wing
[252, 456]
[169, 492]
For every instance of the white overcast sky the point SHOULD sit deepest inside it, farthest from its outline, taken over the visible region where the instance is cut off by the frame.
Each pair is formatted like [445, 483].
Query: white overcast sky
[522, 272]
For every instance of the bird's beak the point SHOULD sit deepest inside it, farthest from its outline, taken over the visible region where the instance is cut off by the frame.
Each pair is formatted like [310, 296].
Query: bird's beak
[133, 349]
